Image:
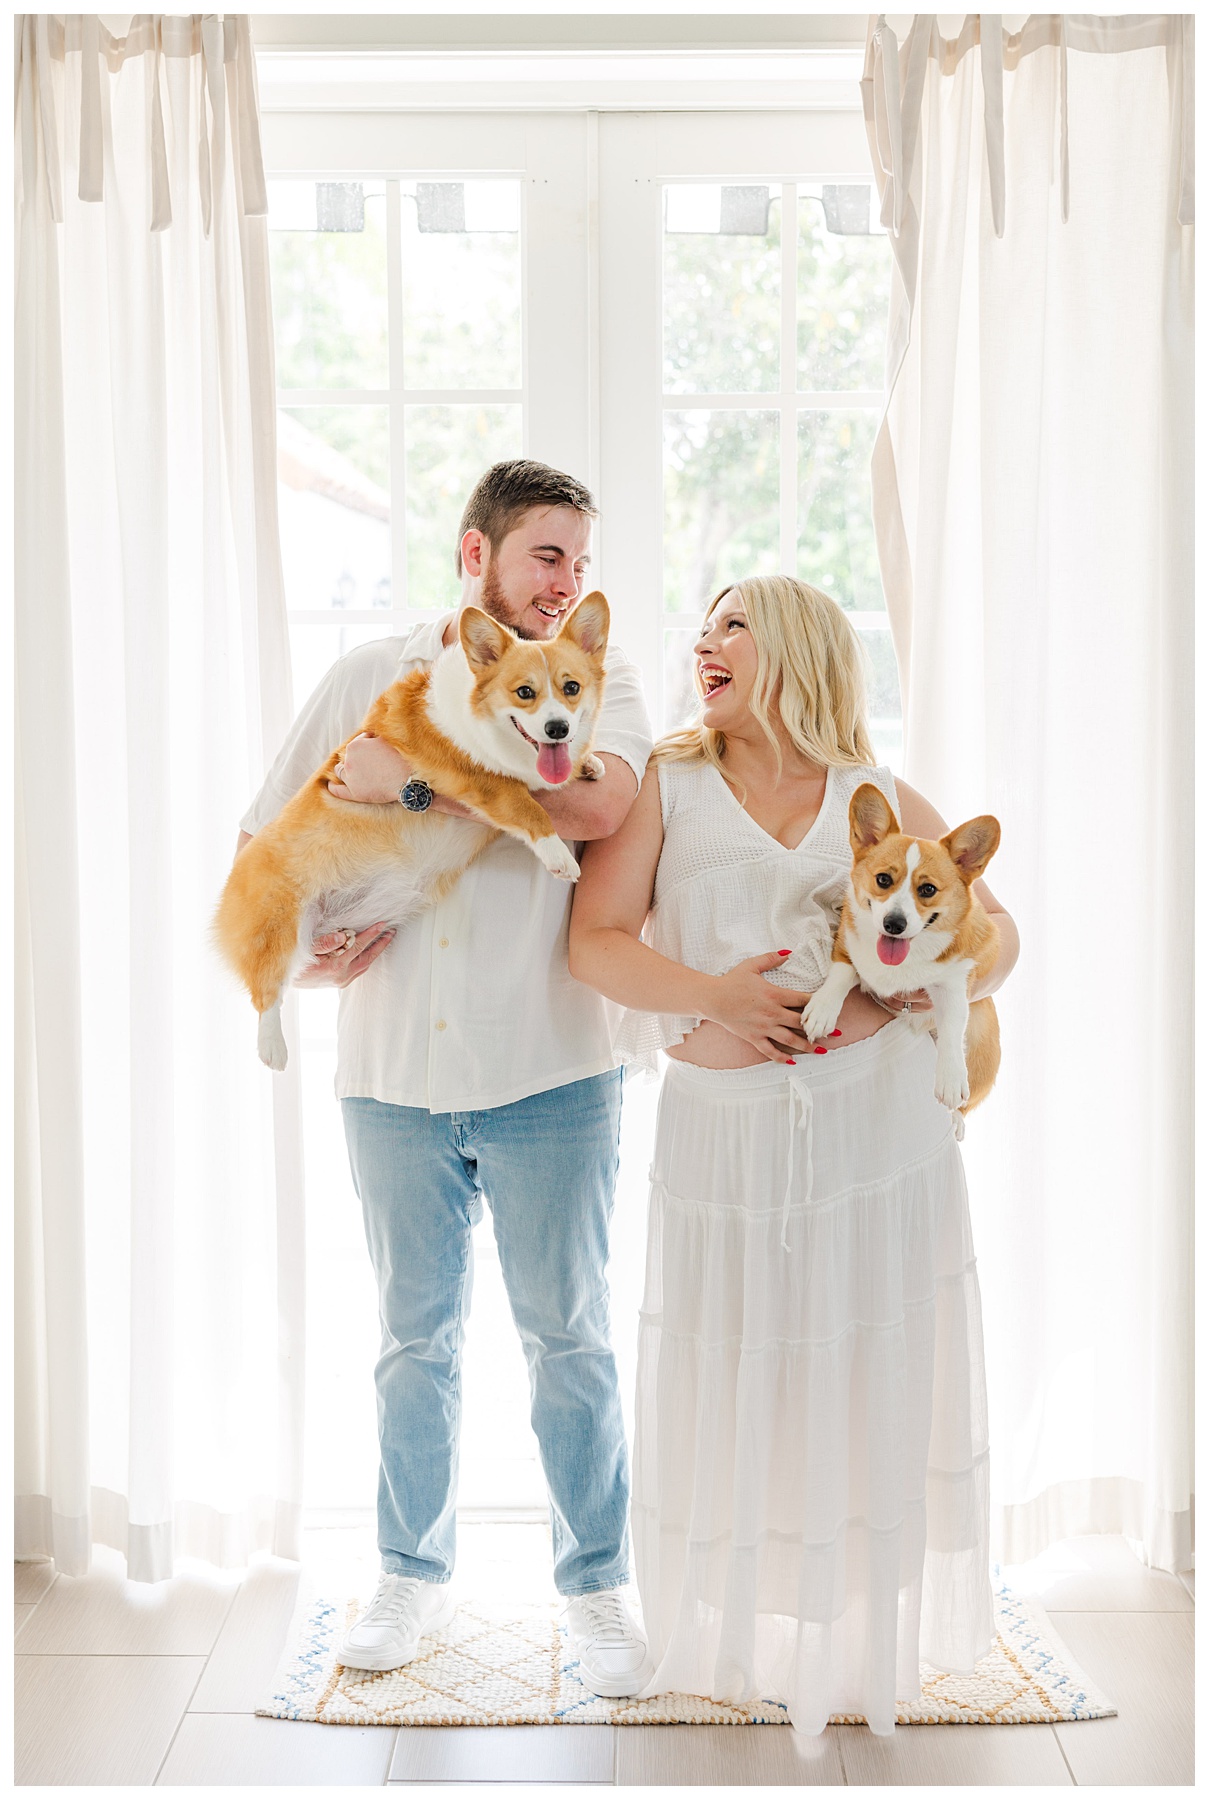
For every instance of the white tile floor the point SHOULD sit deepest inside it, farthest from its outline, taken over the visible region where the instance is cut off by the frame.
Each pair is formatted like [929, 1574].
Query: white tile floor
[119, 1683]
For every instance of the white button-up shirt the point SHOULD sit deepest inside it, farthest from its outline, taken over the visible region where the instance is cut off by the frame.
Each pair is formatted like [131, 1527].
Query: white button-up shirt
[473, 1004]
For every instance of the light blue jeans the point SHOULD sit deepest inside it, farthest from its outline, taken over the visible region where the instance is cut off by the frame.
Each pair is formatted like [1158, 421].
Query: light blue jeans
[546, 1166]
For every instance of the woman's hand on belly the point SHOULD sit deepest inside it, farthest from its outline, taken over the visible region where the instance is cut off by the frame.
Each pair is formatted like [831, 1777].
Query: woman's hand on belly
[711, 1046]
[749, 1019]
[765, 1017]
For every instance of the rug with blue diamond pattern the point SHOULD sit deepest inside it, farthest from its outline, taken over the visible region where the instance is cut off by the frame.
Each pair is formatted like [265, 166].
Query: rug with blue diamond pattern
[509, 1665]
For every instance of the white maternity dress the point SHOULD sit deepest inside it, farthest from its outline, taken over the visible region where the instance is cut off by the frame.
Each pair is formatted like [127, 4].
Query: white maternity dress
[810, 1505]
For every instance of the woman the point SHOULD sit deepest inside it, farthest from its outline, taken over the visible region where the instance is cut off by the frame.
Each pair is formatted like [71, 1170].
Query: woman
[810, 1483]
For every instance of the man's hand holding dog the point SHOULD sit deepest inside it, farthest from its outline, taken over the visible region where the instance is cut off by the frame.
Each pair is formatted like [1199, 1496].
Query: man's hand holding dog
[372, 773]
[340, 956]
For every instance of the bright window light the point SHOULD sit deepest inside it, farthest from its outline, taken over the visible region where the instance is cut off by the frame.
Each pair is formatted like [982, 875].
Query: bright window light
[694, 207]
[492, 205]
[292, 206]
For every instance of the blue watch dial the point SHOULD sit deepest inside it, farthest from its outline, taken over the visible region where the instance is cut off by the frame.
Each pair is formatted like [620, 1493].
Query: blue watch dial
[416, 795]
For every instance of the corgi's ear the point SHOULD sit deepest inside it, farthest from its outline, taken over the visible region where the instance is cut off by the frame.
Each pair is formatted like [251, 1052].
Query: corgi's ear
[483, 639]
[588, 624]
[972, 845]
[870, 818]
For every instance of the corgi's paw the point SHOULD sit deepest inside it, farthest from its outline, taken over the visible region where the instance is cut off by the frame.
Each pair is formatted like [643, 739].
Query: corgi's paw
[592, 769]
[952, 1085]
[557, 858]
[819, 1015]
[270, 1040]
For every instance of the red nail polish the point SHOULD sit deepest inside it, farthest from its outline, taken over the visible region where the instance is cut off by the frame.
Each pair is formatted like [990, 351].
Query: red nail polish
[837, 1032]
[820, 1049]
[792, 1061]
[782, 953]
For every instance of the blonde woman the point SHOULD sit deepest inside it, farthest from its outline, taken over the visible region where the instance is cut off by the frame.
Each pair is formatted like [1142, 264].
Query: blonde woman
[810, 1481]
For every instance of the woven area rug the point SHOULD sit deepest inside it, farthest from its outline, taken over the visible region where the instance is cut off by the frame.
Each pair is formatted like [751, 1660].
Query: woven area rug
[508, 1665]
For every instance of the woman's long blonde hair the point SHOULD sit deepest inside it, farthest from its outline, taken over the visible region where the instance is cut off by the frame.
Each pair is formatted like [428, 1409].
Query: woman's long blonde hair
[809, 668]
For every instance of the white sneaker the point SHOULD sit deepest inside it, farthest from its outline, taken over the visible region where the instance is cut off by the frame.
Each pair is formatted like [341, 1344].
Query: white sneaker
[388, 1633]
[610, 1644]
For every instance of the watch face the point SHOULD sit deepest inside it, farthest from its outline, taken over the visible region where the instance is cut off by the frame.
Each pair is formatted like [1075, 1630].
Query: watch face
[416, 796]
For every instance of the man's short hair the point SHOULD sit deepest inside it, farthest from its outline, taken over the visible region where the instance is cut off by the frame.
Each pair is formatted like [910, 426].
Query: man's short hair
[507, 491]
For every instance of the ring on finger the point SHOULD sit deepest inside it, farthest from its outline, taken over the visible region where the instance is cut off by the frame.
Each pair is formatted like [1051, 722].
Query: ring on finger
[338, 771]
[350, 939]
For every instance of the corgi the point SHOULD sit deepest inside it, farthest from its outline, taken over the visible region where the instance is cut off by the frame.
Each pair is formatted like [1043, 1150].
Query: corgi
[910, 921]
[495, 716]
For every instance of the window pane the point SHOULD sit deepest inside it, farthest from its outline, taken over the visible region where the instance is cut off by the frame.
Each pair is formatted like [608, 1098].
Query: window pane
[448, 448]
[333, 489]
[721, 293]
[843, 301]
[314, 648]
[836, 547]
[329, 287]
[461, 284]
[720, 489]
[680, 697]
[885, 700]
[720, 503]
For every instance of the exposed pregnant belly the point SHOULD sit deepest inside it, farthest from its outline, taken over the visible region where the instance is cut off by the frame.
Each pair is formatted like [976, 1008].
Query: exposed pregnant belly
[711, 1046]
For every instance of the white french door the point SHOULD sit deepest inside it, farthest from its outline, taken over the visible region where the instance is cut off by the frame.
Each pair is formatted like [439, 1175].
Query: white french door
[680, 309]
[433, 314]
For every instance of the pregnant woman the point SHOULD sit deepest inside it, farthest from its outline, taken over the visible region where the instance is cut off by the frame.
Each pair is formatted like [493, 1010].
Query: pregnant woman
[810, 1505]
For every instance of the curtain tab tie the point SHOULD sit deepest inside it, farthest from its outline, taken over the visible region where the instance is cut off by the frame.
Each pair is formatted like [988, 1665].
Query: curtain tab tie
[92, 148]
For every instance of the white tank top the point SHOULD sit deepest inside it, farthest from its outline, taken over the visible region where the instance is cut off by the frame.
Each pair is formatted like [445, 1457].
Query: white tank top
[725, 890]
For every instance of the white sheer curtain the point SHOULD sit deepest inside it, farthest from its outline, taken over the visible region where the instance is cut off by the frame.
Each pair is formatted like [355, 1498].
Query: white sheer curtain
[1033, 503]
[159, 1205]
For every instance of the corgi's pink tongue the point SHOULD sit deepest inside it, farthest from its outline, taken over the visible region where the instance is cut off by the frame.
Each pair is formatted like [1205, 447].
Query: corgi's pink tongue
[889, 949]
[554, 762]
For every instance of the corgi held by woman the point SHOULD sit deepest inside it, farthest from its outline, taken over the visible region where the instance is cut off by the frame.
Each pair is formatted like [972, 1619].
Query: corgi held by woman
[495, 716]
[910, 921]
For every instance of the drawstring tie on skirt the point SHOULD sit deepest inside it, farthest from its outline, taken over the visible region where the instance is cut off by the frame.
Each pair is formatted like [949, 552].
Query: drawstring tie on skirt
[801, 1118]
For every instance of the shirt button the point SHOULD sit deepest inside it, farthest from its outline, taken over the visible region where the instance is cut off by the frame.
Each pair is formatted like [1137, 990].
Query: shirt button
[440, 1024]
[444, 943]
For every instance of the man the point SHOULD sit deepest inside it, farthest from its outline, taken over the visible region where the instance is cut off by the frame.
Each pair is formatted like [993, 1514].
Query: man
[471, 1065]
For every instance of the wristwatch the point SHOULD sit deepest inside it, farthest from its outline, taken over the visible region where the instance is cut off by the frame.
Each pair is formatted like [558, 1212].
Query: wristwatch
[415, 795]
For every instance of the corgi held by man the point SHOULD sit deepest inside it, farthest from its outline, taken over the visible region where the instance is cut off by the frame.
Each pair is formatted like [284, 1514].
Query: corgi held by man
[494, 717]
[911, 921]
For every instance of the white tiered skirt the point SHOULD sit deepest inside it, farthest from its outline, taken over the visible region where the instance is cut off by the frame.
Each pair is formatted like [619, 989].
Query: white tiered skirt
[810, 1506]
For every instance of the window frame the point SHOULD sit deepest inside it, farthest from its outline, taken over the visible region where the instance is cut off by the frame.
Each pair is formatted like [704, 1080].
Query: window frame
[591, 283]
[544, 154]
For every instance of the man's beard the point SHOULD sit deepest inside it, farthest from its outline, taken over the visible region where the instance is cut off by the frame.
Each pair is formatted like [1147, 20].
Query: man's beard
[491, 599]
